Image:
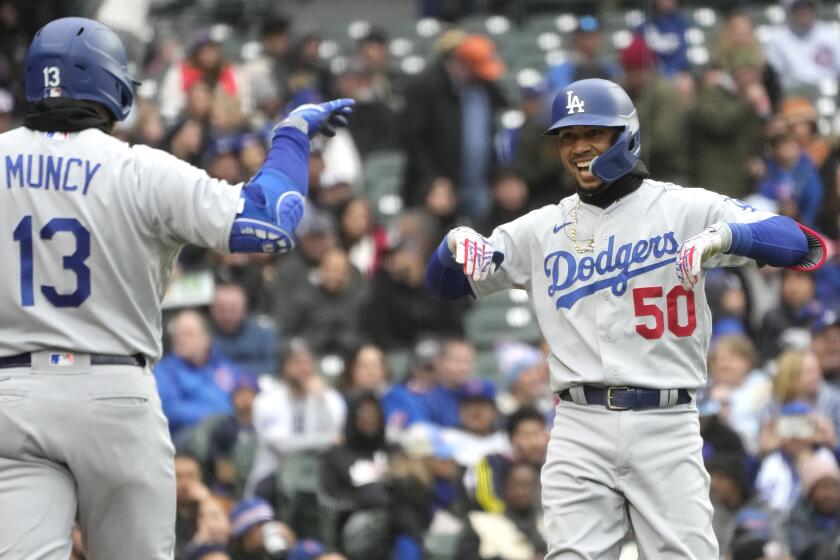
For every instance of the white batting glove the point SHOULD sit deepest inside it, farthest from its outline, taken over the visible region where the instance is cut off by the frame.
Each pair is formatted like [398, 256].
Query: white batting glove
[695, 250]
[475, 252]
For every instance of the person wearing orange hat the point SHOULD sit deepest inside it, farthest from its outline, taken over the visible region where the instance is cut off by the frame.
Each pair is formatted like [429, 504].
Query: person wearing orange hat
[450, 125]
[800, 115]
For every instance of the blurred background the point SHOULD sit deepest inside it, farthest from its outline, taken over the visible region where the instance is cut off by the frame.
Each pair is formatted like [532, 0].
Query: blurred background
[324, 406]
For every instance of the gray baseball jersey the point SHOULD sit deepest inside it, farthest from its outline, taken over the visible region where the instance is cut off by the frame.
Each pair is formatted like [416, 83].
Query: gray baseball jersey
[91, 230]
[617, 315]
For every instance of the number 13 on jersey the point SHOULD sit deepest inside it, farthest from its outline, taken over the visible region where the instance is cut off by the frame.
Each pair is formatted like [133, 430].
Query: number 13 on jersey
[74, 262]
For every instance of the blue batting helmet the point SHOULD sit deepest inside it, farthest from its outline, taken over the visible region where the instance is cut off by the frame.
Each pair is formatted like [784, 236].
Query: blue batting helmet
[79, 58]
[597, 102]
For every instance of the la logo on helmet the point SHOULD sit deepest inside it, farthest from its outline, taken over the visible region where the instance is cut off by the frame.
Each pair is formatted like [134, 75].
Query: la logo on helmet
[573, 102]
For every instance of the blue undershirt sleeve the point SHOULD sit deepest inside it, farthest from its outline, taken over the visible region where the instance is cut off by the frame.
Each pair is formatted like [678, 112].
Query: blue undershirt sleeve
[776, 241]
[445, 277]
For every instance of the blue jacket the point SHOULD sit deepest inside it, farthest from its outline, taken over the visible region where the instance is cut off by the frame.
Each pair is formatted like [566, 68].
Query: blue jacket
[800, 183]
[190, 394]
[403, 406]
[253, 348]
[665, 35]
[443, 405]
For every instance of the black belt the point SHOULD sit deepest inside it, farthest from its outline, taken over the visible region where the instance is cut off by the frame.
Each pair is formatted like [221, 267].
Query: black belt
[25, 360]
[625, 398]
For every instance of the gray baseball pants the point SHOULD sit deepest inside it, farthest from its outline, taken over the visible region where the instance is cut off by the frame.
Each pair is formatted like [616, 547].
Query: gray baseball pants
[89, 444]
[609, 470]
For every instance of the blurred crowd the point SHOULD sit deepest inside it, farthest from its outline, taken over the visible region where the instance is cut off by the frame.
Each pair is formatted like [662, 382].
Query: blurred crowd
[324, 406]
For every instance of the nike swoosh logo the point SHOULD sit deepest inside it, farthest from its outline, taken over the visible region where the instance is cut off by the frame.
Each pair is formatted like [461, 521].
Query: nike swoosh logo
[558, 227]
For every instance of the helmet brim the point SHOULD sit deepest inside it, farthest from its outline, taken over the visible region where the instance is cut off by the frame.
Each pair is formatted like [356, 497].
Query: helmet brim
[582, 119]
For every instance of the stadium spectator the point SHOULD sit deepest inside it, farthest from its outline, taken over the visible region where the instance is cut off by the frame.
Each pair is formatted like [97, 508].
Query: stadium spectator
[249, 341]
[186, 140]
[789, 439]
[353, 477]
[528, 436]
[663, 110]
[586, 58]
[449, 124]
[386, 84]
[405, 403]
[190, 491]
[801, 118]
[206, 63]
[718, 438]
[477, 433]
[734, 499]
[316, 236]
[517, 531]
[328, 315]
[524, 371]
[212, 526]
[301, 414]
[664, 32]
[804, 51]
[194, 380]
[374, 126]
[796, 309]
[402, 312]
[532, 154]
[825, 343]
[255, 534]
[453, 369]
[816, 518]
[306, 70]
[791, 181]
[510, 200]
[365, 370]
[265, 77]
[148, 128]
[724, 126]
[428, 467]
[309, 549]
[737, 36]
[233, 440]
[828, 218]
[799, 378]
[732, 366]
[207, 552]
[364, 240]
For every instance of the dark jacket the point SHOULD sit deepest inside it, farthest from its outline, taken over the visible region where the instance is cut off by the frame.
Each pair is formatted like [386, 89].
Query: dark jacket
[432, 124]
[725, 132]
[353, 473]
[808, 530]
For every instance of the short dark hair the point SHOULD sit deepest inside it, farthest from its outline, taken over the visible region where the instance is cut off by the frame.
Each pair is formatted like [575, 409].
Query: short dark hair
[523, 414]
[274, 25]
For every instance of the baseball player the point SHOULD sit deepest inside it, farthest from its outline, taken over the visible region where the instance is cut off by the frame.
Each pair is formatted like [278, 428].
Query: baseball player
[90, 228]
[628, 335]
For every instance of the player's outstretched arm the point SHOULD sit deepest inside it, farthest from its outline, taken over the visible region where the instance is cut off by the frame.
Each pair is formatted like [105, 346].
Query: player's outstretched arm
[464, 255]
[775, 241]
[271, 205]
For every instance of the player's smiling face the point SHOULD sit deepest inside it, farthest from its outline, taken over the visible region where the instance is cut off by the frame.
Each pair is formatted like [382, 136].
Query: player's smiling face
[579, 145]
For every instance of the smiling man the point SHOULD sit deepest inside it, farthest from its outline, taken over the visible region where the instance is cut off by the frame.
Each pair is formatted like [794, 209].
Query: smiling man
[613, 273]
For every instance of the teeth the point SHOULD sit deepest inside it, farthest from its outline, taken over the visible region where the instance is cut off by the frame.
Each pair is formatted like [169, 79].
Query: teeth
[583, 164]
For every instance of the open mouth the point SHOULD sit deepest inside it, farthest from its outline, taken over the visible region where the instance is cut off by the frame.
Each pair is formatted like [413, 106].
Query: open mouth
[583, 168]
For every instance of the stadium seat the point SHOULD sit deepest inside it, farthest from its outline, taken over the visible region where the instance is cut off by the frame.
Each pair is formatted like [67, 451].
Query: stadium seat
[382, 178]
[498, 317]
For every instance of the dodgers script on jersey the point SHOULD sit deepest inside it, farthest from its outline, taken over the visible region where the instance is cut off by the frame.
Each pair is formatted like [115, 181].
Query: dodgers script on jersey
[600, 311]
[72, 206]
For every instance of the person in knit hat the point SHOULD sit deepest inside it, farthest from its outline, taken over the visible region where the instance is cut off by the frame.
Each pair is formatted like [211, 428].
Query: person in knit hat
[801, 117]
[815, 520]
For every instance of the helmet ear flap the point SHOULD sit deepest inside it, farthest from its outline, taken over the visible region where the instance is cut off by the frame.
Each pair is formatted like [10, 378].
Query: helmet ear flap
[619, 159]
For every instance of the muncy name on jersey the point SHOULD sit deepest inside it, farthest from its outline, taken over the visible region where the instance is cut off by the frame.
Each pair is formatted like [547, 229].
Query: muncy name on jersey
[565, 271]
[47, 172]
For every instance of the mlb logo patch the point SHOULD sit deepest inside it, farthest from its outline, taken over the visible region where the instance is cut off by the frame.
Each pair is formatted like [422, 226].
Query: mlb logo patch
[62, 360]
[53, 92]
[57, 135]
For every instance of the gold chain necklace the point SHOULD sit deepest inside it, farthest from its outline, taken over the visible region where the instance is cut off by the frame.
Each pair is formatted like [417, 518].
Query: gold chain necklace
[589, 246]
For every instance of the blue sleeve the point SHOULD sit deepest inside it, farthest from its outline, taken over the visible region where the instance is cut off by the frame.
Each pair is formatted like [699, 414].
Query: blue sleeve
[272, 202]
[444, 277]
[776, 241]
[809, 203]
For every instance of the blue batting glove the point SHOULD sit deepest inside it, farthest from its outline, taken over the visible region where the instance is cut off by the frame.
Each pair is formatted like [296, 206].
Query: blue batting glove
[323, 117]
